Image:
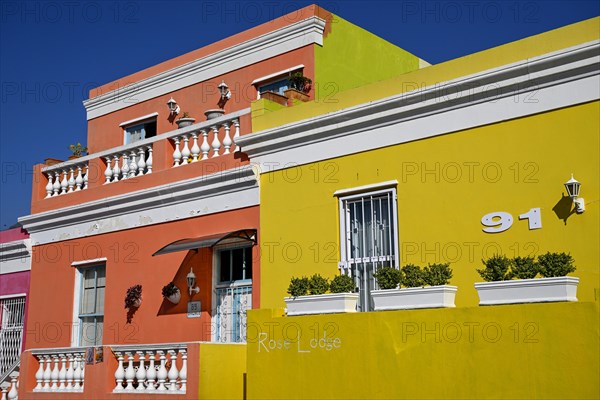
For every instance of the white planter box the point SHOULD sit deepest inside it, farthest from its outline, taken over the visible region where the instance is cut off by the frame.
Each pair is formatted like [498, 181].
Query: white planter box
[540, 290]
[409, 298]
[322, 304]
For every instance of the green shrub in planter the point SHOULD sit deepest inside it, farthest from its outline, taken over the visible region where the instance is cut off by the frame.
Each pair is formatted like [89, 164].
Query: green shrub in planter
[555, 264]
[412, 276]
[298, 287]
[342, 284]
[497, 268]
[388, 277]
[317, 285]
[524, 268]
[437, 274]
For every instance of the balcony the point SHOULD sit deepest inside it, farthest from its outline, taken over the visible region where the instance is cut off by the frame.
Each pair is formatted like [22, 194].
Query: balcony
[200, 149]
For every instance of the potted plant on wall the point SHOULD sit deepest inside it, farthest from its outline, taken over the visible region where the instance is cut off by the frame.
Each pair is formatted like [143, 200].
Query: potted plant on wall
[308, 296]
[300, 85]
[423, 288]
[554, 285]
[185, 120]
[77, 151]
[171, 292]
[133, 297]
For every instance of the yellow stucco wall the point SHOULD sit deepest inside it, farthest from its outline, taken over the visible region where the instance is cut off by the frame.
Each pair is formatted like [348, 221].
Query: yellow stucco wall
[222, 371]
[446, 184]
[538, 351]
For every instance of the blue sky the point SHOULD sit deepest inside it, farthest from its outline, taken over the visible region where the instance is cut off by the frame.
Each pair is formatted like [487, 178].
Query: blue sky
[53, 52]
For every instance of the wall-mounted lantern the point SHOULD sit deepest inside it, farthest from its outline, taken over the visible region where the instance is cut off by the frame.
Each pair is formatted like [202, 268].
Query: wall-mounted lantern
[191, 282]
[573, 186]
[173, 107]
[224, 90]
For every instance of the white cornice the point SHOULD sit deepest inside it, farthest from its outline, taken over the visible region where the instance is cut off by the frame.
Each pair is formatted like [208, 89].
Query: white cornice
[282, 40]
[15, 256]
[223, 191]
[305, 141]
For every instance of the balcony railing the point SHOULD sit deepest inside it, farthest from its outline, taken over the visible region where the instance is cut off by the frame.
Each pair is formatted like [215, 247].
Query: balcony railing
[147, 369]
[201, 141]
[60, 370]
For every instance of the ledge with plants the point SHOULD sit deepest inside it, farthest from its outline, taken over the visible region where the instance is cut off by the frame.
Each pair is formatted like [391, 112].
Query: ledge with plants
[501, 287]
[309, 295]
[185, 120]
[299, 87]
[413, 287]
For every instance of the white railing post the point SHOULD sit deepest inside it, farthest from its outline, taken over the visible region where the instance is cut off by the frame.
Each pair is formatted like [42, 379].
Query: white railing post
[140, 375]
[177, 152]
[70, 373]
[183, 372]
[129, 372]
[151, 374]
[226, 140]
[119, 373]
[185, 153]
[173, 372]
[236, 134]
[195, 147]
[62, 373]
[205, 147]
[39, 375]
[150, 160]
[141, 162]
[125, 166]
[162, 371]
[216, 145]
[49, 186]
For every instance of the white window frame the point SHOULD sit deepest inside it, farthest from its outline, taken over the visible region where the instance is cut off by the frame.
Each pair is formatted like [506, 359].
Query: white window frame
[274, 77]
[136, 122]
[77, 291]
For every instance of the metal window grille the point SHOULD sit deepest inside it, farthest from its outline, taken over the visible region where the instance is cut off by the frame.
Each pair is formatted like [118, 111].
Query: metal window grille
[369, 238]
[12, 319]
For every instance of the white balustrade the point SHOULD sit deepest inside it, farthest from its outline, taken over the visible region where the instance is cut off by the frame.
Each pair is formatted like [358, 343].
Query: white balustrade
[151, 368]
[69, 179]
[221, 142]
[60, 370]
[136, 161]
[9, 388]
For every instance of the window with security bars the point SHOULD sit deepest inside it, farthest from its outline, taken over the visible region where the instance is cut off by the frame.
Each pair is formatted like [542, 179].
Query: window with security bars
[91, 305]
[369, 239]
[12, 318]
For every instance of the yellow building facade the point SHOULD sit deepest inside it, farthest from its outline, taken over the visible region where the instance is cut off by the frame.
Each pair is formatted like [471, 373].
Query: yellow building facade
[485, 141]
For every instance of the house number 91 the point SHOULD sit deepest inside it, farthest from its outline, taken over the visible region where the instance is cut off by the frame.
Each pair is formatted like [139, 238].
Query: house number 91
[499, 221]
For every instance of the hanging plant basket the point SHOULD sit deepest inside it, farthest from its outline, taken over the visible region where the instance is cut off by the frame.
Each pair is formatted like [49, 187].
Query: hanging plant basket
[172, 293]
[133, 298]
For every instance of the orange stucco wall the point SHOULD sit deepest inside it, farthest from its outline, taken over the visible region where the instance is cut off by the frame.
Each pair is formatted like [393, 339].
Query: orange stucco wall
[129, 262]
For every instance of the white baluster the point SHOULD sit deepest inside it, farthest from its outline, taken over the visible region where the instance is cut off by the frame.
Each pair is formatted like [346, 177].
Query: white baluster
[116, 171]
[71, 181]
[70, 373]
[85, 177]
[129, 372]
[195, 147]
[76, 373]
[54, 374]
[125, 167]
[236, 134]
[173, 371]
[140, 375]
[176, 153]
[205, 146]
[82, 368]
[149, 161]
[108, 170]
[4, 391]
[142, 162]
[227, 142]
[56, 184]
[49, 186]
[62, 373]
[216, 145]
[132, 164]
[183, 372]
[151, 373]
[78, 179]
[64, 184]
[13, 393]
[119, 373]
[39, 375]
[185, 153]
[162, 372]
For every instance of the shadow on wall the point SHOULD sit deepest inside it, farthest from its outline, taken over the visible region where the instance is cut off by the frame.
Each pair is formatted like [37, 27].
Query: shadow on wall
[564, 208]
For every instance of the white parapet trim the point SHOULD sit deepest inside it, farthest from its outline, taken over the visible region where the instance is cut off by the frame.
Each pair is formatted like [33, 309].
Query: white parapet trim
[222, 191]
[551, 81]
[291, 37]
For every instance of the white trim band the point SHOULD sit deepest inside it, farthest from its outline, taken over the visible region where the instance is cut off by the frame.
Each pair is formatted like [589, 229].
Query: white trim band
[366, 188]
[140, 119]
[276, 74]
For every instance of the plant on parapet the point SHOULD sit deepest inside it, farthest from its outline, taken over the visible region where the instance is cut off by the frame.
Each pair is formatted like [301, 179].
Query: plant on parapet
[437, 274]
[342, 284]
[317, 285]
[388, 277]
[133, 298]
[524, 268]
[78, 150]
[169, 289]
[412, 276]
[298, 287]
[497, 268]
[555, 264]
[300, 82]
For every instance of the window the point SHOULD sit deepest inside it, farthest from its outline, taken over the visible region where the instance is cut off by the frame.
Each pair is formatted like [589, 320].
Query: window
[91, 305]
[140, 131]
[278, 86]
[276, 82]
[233, 293]
[369, 237]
